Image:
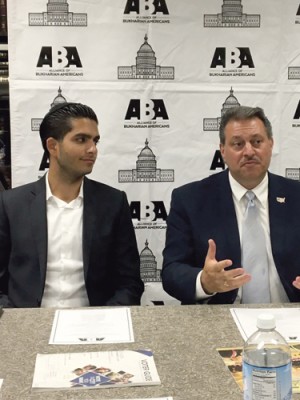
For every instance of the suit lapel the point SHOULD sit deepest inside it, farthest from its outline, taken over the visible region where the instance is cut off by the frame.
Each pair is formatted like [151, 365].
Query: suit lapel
[38, 214]
[277, 214]
[229, 240]
[229, 221]
[89, 221]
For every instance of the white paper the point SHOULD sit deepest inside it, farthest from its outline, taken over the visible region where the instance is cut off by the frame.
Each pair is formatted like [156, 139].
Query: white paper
[147, 398]
[287, 321]
[90, 326]
[93, 370]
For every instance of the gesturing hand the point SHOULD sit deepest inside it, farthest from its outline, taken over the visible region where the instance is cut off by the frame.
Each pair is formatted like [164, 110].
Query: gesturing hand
[296, 282]
[215, 277]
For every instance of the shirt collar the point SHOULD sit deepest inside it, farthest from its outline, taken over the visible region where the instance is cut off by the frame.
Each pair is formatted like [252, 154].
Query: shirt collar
[260, 191]
[50, 196]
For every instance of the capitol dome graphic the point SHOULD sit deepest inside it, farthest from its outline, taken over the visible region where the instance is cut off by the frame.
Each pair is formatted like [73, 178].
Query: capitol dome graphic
[59, 99]
[149, 271]
[57, 14]
[213, 124]
[36, 122]
[230, 102]
[145, 56]
[145, 66]
[232, 16]
[146, 169]
[146, 160]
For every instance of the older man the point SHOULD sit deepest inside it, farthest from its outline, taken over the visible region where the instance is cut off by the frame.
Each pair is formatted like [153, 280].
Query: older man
[234, 236]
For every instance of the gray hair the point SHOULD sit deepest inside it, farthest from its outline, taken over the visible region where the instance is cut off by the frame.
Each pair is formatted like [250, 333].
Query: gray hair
[242, 113]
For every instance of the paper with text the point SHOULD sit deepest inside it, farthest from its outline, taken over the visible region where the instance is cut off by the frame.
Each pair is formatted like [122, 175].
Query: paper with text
[287, 321]
[90, 326]
[93, 370]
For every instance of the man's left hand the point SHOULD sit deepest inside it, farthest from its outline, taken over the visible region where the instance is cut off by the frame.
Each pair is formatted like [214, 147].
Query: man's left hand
[296, 282]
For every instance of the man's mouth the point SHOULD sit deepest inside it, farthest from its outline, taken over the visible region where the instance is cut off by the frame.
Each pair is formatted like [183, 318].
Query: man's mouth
[250, 162]
[88, 160]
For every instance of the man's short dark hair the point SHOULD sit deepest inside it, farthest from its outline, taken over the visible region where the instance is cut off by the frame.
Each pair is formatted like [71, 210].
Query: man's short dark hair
[242, 113]
[58, 121]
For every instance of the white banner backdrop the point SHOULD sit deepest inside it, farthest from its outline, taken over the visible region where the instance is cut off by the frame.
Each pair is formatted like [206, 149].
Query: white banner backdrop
[159, 75]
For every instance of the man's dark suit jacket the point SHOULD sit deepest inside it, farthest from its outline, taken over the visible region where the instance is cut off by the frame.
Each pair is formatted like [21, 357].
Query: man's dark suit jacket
[205, 210]
[110, 255]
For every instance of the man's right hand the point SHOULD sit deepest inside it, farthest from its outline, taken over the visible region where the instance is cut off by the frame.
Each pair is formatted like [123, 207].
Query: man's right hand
[215, 277]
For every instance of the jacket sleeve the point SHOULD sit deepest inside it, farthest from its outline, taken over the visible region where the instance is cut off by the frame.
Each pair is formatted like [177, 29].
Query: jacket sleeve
[128, 284]
[5, 248]
[179, 271]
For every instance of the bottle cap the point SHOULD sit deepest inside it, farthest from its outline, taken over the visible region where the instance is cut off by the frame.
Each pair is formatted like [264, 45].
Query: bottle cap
[266, 321]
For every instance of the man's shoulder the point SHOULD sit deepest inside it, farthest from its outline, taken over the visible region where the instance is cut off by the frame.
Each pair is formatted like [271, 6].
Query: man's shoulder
[101, 188]
[279, 181]
[208, 183]
[23, 189]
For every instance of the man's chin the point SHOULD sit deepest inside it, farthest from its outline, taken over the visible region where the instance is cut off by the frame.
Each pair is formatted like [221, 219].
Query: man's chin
[89, 171]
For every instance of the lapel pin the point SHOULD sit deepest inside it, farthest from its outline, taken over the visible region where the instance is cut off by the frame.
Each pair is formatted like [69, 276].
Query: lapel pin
[280, 199]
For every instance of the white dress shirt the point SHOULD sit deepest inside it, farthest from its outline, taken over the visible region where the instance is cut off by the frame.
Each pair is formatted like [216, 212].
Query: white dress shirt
[277, 292]
[64, 286]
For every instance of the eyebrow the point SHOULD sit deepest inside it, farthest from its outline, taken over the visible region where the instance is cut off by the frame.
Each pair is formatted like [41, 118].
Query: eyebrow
[86, 135]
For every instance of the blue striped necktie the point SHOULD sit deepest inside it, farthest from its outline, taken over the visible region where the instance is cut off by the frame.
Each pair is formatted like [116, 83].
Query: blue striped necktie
[254, 255]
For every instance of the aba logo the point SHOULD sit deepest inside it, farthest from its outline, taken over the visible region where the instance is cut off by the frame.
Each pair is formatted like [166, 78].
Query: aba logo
[232, 62]
[152, 109]
[157, 6]
[298, 16]
[59, 61]
[237, 57]
[61, 57]
[146, 114]
[148, 212]
[146, 11]
[217, 162]
[297, 117]
[297, 113]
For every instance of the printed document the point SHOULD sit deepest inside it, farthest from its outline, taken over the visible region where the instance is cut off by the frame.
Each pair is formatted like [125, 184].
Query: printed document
[287, 321]
[90, 326]
[93, 370]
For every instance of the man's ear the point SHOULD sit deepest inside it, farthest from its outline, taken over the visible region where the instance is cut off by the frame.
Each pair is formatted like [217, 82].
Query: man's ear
[221, 146]
[51, 144]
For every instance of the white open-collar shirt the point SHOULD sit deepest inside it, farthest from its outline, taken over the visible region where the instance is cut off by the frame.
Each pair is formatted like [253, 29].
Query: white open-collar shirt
[65, 285]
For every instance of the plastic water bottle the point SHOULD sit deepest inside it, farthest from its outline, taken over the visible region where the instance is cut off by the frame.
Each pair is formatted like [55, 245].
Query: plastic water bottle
[267, 366]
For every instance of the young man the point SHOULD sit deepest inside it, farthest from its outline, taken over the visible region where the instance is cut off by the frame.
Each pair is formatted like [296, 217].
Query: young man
[206, 257]
[66, 240]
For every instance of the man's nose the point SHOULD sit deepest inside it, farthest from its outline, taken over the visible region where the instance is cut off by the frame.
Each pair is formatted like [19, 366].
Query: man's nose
[248, 149]
[92, 148]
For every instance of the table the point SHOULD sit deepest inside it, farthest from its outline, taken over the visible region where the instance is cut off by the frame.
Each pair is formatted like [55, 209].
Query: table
[183, 338]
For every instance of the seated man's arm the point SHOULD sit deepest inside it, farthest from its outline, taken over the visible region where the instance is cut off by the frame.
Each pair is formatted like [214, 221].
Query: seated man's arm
[179, 273]
[128, 284]
[5, 249]
[190, 250]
